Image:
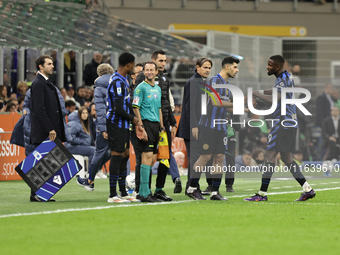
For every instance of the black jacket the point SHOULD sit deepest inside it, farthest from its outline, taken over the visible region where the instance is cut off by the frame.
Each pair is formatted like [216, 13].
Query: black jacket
[90, 73]
[328, 129]
[191, 106]
[323, 109]
[46, 114]
[163, 82]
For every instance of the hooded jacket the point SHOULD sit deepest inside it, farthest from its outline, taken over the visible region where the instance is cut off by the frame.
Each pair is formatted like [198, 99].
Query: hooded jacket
[75, 134]
[100, 90]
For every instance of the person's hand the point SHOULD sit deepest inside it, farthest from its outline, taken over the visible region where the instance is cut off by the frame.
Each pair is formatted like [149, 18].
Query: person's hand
[246, 110]
[173, 132]
[141, 134]
[263, 140]
[24, 112]
[52, 135]
[3, 109]
[105, 135]
[332, 139]
[194, 132]
[135, 121]
[14, 96]
[254, 101]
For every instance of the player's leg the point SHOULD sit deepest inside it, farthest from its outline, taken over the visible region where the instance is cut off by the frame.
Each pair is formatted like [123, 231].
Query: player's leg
[148, 149]
[118, 142]
[230, 163]
[217, 177]
[267, 172]
[145, 172]
[294, 168]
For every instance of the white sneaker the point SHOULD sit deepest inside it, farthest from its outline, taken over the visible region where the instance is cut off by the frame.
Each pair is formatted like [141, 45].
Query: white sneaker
[135, 194]
[117, 199]
[131, 199]
[101, 175]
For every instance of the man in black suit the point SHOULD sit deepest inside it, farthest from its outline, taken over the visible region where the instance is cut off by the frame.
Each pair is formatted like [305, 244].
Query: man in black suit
[330, 134]
[191, 112]
[324, 103]
[46, 114]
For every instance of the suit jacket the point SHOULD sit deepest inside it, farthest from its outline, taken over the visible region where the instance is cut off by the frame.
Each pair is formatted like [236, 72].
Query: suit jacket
[191, 106]
[323, 109]
[328, 129]
[46, 113]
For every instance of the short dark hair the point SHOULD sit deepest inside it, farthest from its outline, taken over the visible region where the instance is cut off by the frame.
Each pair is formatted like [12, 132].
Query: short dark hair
[139, 64]
[278, 59]
[126, 58]
[41, 61]
[154, 54]
[20, 99]
[152, 63]
[81, 87]
[69, 103]
[230, 60]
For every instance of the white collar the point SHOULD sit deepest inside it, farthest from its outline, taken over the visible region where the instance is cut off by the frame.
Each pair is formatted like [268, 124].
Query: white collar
[46, 78]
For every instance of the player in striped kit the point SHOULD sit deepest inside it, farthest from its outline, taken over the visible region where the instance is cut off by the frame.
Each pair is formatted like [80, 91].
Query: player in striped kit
[282, 137]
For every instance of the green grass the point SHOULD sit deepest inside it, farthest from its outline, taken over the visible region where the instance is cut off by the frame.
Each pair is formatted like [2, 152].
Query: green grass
[279, 226]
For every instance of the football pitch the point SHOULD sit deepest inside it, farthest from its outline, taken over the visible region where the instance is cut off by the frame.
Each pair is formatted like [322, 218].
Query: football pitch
[82, 222]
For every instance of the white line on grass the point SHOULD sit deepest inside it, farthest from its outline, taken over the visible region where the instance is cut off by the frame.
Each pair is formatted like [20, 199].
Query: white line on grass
[147, 204]
[92, 208]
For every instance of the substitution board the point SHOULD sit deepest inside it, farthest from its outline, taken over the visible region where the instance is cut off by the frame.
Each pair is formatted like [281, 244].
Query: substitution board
[48, 168]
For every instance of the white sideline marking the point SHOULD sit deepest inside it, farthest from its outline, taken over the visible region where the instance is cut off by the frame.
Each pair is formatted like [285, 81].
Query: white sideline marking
[153, 204]
[93, 208]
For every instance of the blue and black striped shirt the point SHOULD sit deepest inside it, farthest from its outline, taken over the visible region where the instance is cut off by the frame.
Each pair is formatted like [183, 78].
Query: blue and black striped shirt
[214, 112]
[285, 81]
[118, 89]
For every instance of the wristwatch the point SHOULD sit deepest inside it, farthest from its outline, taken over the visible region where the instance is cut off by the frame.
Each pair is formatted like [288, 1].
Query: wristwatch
[162, 128]
[175, 125]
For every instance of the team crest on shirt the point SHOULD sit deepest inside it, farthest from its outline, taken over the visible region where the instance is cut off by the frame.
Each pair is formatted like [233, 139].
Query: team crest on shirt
[137, 91]
[205, 146]
[164, 79]
[119, 91]
[155, 95]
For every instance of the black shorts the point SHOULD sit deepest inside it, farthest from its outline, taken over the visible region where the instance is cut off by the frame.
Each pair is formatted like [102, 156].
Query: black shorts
[152, 130]
[119, 138]
[281, 140]
[211, 141]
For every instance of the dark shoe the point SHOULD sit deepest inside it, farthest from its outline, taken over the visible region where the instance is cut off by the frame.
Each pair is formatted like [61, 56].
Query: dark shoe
[85, 183]
[35, 198]
[257, 197]
[207, 191]
[178, 185]
[162, 196]
[196, 195]
[215, 195]
[306, 195]
[230, 188]
[148, 199]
